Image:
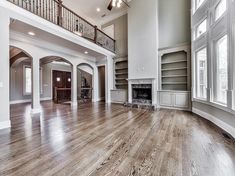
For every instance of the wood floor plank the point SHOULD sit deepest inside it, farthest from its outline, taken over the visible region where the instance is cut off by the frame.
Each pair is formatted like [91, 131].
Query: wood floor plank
[97, 139]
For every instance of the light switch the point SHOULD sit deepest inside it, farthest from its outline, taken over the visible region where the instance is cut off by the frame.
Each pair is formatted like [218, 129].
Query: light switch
[1, 84]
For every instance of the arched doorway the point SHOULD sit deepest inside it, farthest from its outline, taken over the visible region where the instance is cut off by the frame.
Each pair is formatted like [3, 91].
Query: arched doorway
[85, 82]
[20, 76]
[57, 79]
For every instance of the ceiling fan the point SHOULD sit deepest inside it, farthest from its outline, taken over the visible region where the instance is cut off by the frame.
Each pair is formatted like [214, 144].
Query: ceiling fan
[116, 3]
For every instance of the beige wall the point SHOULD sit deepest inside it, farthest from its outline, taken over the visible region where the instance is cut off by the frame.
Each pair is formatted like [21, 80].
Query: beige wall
[120, 35]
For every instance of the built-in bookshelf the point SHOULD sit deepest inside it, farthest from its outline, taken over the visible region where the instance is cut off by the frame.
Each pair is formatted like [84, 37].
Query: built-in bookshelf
[121, 73]
[174, 77]
[174, 71]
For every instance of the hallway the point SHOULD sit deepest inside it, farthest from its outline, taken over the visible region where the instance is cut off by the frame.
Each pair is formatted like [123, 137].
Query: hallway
[99, 139]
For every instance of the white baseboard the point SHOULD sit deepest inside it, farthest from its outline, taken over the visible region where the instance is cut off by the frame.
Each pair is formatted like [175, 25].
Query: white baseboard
[226, 127]
[35, 111]
[5, 124]
[28, 100]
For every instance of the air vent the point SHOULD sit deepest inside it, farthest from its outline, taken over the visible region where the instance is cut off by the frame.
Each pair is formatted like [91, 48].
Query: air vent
[104, 15]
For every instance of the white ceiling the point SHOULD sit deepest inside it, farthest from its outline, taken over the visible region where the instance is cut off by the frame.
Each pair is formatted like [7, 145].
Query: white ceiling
[87, 9]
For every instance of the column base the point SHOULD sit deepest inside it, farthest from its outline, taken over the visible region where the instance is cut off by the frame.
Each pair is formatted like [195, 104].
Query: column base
[5, 124]
[74, 104]
[35, 111]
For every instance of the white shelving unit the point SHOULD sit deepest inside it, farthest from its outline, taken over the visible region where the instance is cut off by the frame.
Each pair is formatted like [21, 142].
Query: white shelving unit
[174, 77]
[119, 94]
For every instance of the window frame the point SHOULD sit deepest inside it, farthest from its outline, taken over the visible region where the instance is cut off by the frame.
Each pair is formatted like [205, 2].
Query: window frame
[197, 26]
[197, 73]
[195, 5]
[24, 80]
[215, 70]
[223, 14]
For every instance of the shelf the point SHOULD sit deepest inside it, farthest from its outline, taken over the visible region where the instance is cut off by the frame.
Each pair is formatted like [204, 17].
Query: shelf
[121, 84]
[121, 68]
[168, 69]
[173, 83]
[121, 61]
[121, 79]
[124, 73]
[174, 76]
[172, 62]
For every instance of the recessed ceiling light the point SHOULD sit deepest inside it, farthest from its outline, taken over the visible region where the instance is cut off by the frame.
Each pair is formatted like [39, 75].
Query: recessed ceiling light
[98, 9]
[86, 52]
[31, 33]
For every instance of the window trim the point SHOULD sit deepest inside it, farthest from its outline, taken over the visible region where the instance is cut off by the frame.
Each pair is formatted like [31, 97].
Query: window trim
[223, 14]
[196, 72]
[195, 8]
[24, 80]
[197, 25]
[214, 70]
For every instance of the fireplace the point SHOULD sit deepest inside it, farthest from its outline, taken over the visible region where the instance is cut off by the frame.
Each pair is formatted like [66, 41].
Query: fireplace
[142, 93]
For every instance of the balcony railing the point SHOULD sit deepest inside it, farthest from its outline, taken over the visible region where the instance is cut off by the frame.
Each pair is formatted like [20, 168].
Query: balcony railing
[55, 12]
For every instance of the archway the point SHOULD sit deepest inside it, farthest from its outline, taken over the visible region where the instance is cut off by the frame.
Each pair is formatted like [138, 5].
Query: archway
[20, 78]
[85, 82]
[56, 79]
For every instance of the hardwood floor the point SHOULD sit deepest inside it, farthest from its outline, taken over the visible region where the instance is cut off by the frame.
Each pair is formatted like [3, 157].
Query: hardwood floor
[100, 140]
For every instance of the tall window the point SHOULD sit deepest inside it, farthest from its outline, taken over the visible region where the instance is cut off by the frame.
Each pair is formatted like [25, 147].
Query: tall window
[28, 80]
[220, 9]
[201, 59]
[221, 70]
[201, 29]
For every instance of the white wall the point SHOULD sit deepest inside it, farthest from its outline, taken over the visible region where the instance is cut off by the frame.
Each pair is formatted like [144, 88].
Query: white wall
[4, 67]
[143, 39]
[174, 22]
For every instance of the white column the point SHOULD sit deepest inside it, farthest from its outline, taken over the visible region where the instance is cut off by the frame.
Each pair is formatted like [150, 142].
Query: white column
[4, 67]
[36, 108]
[109, 78]
[95, 85]
[74, 86]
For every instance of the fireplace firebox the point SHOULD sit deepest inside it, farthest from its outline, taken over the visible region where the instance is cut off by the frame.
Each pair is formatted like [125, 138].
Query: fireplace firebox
[142, 93]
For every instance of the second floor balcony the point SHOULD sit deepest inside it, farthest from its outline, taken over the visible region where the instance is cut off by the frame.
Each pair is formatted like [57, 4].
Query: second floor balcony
[55, 12]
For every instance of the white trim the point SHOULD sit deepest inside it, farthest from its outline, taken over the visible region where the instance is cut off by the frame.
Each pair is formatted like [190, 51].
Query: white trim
[226, 127]
[35, 111]
[28, 100]
[5, 124]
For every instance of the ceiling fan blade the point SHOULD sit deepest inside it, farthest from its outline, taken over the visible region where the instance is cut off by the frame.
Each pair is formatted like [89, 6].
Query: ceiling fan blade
[110, 7]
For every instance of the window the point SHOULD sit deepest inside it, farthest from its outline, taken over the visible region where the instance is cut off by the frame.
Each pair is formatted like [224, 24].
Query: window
[201, 29]
[28, 80]
[221, 70]
[197, 4]
[220, 9]
[201, 59]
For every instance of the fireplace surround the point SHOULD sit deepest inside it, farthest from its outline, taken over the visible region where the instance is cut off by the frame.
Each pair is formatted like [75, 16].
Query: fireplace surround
[142, 92]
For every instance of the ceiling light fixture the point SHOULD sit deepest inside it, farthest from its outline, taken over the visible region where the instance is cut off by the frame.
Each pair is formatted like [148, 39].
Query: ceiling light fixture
[98, 9]
[86, 52]
[31, 33]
